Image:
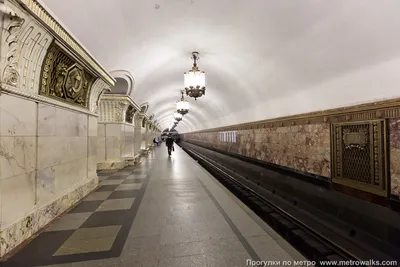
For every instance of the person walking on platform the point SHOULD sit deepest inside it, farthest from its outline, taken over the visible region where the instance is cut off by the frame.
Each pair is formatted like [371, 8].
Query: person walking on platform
[170, 144]
[155, 141]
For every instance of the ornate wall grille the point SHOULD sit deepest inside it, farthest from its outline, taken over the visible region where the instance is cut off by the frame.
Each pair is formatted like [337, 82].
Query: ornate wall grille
[64, 79]
[359, 155]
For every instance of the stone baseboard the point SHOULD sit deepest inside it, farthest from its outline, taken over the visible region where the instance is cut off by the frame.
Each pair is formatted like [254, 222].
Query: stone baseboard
[111, 165]
[131, 161]
[13, 236]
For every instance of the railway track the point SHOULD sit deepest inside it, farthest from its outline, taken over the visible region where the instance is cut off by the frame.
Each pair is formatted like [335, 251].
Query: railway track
[302, 234]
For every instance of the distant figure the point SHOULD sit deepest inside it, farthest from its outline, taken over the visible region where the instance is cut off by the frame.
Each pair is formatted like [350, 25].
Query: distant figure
[159, 140]
[170, 144]
[155, 142]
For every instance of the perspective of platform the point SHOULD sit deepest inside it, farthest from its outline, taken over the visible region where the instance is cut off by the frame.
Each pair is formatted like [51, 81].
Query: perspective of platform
[285, 117]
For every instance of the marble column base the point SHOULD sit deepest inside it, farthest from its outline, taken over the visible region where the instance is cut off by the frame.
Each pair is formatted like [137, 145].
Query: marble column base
[144, 151]
[116, 165]
[131, 161]
[19, 232]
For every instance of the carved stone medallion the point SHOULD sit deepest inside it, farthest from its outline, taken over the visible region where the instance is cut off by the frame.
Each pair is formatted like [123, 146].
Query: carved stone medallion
[64, 79]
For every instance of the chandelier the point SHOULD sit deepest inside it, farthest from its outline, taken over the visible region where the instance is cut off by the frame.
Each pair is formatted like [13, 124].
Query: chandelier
[177, 116]
[195, 80]
[182, 106]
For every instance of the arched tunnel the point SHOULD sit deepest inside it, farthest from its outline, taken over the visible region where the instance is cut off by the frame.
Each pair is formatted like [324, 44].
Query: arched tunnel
[199, 133]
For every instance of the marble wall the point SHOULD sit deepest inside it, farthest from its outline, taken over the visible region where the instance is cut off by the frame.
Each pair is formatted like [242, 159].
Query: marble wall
[301, 147]
[115, 145]
[47, 163]
[144, 139]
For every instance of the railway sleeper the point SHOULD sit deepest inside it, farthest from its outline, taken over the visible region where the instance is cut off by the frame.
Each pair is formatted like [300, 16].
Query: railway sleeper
[314, 249]
[282, 225]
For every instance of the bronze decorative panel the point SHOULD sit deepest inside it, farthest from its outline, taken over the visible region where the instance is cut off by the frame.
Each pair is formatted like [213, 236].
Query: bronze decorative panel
[64, 79]
[359, 155]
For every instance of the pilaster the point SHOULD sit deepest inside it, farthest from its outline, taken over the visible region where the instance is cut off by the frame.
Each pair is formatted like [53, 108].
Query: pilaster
[116, 132]
[139, 132]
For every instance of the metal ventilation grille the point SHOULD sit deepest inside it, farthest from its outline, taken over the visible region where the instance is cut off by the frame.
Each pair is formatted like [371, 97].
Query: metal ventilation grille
[358, 156]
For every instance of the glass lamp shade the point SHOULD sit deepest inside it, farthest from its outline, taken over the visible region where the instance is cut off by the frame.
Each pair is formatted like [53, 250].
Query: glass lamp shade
[182, 107]
[194, 79]
[177, 116]
[195, 83]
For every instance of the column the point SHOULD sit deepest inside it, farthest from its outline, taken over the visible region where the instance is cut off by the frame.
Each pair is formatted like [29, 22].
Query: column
[138, 133]
[116, 132]
[145, 139]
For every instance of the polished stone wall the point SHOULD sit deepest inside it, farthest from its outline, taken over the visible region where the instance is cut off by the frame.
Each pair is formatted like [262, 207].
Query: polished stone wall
[115, 145]
[300, 147]
[47, 163]
[303, 147]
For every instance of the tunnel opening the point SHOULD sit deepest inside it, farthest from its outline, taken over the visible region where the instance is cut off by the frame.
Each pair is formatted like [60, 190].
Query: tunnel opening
[174, 134]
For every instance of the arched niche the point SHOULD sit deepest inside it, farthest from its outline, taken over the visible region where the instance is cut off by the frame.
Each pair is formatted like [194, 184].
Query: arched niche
[124, 82]
[130, 113]
[144, 107]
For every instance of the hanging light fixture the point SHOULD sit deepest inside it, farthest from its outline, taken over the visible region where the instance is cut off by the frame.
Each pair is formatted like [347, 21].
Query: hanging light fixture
[182, 106]
[195, 80]
[177, 116]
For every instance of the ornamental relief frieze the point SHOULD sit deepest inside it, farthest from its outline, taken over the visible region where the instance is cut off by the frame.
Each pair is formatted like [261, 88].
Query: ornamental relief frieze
[10, 73]
[23, 47]
[65, 79]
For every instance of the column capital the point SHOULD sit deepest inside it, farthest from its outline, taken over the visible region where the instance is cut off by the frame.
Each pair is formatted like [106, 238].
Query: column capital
[138, 119]
[116, 108]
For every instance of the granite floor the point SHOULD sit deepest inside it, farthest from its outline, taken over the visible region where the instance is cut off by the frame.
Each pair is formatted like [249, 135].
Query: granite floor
[167, 211]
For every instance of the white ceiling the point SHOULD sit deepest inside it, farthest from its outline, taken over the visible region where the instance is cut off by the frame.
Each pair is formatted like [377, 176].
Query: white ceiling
[262, 58]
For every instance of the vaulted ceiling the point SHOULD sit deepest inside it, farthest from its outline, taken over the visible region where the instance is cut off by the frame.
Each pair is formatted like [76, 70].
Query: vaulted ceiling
[262, 58]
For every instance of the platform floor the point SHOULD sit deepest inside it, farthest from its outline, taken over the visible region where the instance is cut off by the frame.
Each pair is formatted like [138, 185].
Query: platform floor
[163, 212]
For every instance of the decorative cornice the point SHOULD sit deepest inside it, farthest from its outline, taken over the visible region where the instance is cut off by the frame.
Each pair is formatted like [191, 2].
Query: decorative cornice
[368, 111]
[47, 20]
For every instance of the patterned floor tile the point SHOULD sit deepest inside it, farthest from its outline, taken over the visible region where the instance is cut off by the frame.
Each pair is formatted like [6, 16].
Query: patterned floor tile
[137, 176]
[124, 194]
[86, 240]
[123, 172]
[103, 195]
[128, 187]
[107, 188]
[87, 206]
[69, 221]
[118, 177]
[105, 218]
[116, 204]
[111, 182]
[132, 181]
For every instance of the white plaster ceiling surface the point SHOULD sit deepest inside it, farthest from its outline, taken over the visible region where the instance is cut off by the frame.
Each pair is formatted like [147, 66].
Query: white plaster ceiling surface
[262, 58]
